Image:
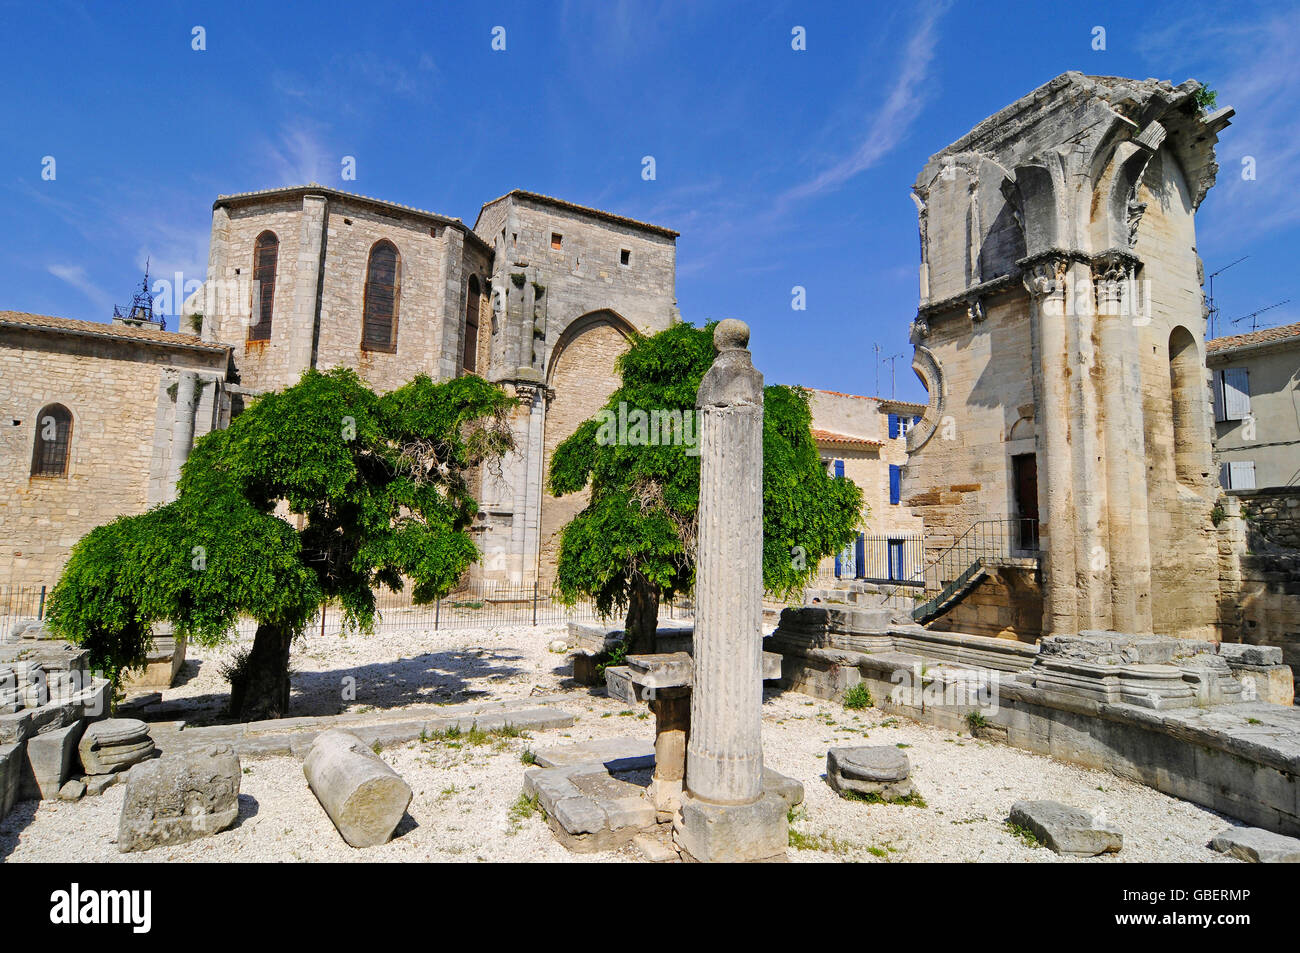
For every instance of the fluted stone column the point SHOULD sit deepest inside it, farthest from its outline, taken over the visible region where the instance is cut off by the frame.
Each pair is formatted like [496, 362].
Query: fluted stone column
[1044, 279]
[725, 814]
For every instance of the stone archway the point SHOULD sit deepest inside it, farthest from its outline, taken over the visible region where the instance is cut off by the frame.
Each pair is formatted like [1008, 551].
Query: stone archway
[581, 375]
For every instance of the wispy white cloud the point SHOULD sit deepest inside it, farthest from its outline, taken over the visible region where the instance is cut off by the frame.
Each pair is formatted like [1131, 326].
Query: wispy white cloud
[891, 122]
[76, 276]
[299, 155]
[1251, 63]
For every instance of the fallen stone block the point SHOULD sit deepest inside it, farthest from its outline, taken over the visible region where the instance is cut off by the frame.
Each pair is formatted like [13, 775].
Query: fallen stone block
[99, 783]
[179, 798]
[114, 745]
[11, 765]
[74, 790]
[873, 770]
[15, 727]
[616, 754]
[363, 796]
[1257, 846]
[50, 757]
[1065, 829]
[590, 809]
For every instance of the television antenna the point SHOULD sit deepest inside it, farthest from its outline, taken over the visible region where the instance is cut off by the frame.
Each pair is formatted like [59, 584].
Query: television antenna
[1255, 314]
[1213, 308]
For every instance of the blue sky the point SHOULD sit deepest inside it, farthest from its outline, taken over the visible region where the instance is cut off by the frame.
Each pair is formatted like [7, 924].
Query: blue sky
[779, 167]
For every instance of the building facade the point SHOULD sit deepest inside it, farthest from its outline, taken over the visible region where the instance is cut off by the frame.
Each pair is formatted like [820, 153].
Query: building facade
[1255, 387]
[541, 297]
[864, 439]
[1060, 334]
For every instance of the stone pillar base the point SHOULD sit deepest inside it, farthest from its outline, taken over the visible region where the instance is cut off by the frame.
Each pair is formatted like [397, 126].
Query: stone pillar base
[733, 833]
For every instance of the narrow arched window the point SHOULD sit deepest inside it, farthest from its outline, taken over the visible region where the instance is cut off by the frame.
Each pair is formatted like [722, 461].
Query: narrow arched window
[383, 280]
[53, 441]
[469, 361]
[1186, 388]
[266, 256]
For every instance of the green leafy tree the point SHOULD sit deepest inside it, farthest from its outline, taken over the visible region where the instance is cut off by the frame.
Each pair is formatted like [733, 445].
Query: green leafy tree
[634, 542]
[317, 493]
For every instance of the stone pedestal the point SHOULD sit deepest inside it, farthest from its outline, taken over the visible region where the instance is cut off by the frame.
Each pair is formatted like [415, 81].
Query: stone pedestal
[725, 815]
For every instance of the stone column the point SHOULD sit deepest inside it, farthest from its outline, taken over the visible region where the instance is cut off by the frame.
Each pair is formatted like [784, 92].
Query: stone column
[1125, 446]
[725, 814]
[1044, 279]
[182, 429]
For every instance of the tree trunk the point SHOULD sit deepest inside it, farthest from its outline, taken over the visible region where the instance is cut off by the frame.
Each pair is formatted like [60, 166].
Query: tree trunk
[260, 689]
[642, 616]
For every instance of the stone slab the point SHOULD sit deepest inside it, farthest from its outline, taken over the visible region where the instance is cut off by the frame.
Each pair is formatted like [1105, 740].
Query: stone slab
[1066, 829]
[590, 809]
[615, 754]
[1257, 846]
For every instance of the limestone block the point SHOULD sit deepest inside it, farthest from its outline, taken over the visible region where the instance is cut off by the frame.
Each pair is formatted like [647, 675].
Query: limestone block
[1065, 829]
[97, 784]
[363, 796]
[179, 798]
[15, 727]
[588, 807]
[12, 757]
[74, 790]
[114, 745]
[880, 770]
[1257, 846]
[50, 757]
[733, 833]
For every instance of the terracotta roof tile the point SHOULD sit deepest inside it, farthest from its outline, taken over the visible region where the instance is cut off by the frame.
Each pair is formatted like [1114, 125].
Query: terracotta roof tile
[843, 440]
[45, 322]
[1263, 336]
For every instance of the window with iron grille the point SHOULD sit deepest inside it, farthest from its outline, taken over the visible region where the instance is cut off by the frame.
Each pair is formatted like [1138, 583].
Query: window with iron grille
[266, 256]
[53, 441]
[383, 274]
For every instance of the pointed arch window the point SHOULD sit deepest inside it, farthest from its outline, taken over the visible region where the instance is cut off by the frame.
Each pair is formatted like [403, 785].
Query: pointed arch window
[53, 441]
[383, 288]
[469, 358]
[266, 259]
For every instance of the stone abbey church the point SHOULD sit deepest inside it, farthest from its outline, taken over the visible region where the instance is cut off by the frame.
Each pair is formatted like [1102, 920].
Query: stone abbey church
[541, 295]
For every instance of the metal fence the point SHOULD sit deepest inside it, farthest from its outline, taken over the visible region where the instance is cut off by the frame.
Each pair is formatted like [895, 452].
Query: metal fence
[19, 606]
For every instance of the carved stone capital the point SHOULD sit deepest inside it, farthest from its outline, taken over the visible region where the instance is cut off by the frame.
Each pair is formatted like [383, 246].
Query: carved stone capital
[1045, 277]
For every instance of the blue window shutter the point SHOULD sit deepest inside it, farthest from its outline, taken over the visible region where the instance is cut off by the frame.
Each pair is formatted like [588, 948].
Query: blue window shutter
[895, 483]
[839, 469]
[893, 426]
[837, 565]
[861, 556]
[916, 420]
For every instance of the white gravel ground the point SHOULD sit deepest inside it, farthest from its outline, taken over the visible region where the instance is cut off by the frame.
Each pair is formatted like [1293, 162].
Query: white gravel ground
[464, 794]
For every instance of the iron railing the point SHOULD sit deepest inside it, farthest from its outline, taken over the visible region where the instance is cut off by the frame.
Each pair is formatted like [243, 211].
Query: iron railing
[19, 607]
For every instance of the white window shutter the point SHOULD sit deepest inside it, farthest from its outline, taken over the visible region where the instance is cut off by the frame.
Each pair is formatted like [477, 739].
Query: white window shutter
[1236, 393]
[1242, 474]
[1216, 385]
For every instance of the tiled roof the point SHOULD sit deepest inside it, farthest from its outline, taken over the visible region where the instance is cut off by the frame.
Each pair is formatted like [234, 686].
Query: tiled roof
[882, 401]
[45, 322]
[843, 440]
[1264, 336]
[586, 210]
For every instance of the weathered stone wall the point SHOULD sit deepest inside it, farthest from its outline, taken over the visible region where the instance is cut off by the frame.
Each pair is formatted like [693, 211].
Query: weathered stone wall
[1008, 604]
[1259, 570]
[582, 379]
[118, 395]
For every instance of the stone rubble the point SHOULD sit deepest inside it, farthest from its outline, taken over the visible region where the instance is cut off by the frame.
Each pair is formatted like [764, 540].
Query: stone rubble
[1065, 829]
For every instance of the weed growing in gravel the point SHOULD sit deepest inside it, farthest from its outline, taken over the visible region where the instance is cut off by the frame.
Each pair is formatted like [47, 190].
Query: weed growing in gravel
[858, 697]
[525, 806]
[975, 721]
[910, 800]
[527, 756]
[1028, 837]
[824, 842]
[376, 747]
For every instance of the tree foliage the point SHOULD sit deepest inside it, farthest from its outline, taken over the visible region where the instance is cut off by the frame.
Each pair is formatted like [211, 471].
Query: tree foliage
[319, 492]
[640, 522]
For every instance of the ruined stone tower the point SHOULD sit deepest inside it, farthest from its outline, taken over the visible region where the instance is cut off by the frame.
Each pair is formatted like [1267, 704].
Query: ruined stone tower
[1061, 337]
